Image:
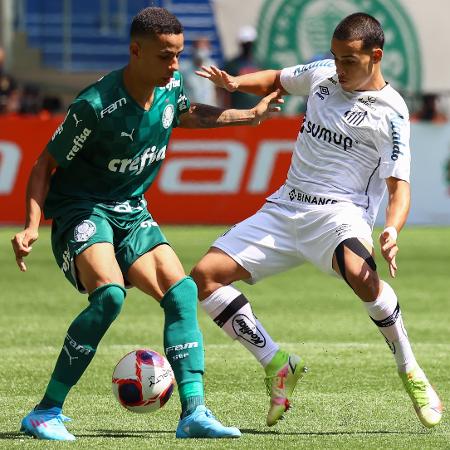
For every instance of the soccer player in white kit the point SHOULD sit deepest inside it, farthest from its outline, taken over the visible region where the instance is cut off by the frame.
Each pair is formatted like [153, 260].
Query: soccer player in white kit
[353, 143]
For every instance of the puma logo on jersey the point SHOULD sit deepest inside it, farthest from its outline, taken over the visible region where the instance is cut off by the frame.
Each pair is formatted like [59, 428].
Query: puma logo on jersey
[138, 164]
[123, 134]
[78, 142]
[76, 120]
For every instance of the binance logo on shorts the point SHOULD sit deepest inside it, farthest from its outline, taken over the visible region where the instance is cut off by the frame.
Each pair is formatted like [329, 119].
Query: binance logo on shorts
[84, 231]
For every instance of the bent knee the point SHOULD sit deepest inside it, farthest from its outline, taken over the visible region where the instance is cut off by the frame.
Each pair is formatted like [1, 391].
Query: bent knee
[112, 297]
[202, 276]
[366, 285]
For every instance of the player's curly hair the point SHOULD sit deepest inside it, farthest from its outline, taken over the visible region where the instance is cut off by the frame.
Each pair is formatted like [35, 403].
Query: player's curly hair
[360, 26]
[152, 21]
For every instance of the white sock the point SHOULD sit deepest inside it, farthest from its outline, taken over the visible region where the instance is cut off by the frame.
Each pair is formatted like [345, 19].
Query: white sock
[385, 312]
[229, 309]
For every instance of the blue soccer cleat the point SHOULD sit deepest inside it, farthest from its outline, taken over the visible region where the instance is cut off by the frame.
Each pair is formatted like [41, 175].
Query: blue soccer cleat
[202, 424]
[46, 424]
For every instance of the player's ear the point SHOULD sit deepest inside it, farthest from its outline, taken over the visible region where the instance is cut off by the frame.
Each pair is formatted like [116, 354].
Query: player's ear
[134, 49]
[377, 54]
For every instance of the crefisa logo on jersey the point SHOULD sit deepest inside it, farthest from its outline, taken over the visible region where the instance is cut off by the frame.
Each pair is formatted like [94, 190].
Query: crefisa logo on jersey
[137, 165]
[78, 142]
[84, 230]
[167, 116]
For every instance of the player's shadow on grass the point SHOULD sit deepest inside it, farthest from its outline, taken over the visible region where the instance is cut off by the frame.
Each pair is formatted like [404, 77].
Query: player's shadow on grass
[16, 436]
[325, 433]
[142, 434]
[12, 436]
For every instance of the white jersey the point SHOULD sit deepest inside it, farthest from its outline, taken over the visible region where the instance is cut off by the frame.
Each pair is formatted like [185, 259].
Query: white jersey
[349, 143]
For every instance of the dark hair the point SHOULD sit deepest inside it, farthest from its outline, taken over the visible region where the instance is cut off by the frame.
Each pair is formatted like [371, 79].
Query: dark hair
[360, 26]
[152, 21]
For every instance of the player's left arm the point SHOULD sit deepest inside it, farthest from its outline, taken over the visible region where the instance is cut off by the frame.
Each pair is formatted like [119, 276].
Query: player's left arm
[396, 214]
[206, 116]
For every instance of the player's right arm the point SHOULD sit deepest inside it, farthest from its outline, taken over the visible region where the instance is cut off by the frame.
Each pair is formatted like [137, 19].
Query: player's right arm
[260, 83]
[37, 189]
[295, 80]
[66, 144]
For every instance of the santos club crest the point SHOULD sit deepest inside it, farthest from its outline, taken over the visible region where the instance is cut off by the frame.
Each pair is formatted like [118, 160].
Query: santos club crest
[84, 231]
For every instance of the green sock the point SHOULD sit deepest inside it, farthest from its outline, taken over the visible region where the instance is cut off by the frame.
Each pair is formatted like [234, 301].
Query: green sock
[277, 362]
[183, 341]
[81, 342]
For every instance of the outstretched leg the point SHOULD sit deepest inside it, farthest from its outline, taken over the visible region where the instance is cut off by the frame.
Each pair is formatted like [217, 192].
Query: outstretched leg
[354, 262]
[232, 312]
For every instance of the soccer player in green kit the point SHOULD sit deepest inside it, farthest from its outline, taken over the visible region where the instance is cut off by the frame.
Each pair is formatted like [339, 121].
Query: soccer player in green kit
[90, 180]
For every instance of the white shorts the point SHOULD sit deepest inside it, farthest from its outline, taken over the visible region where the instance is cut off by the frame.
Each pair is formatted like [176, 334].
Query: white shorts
[281, 236]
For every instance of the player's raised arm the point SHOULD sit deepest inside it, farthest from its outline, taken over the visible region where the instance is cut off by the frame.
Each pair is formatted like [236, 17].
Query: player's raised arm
[396, 215]
[259, 83]
[37, 189]
[206, 116]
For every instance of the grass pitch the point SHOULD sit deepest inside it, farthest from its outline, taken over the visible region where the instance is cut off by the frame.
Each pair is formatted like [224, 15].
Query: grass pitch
[352, 397]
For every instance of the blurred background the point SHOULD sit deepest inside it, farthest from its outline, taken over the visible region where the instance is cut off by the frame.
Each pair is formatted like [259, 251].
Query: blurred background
[51, 49]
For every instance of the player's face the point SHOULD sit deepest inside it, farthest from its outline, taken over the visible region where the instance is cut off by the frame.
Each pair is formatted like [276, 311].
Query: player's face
[156, 59]
[356, 67]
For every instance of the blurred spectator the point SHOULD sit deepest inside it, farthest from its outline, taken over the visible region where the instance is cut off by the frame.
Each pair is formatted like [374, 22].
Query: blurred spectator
[242, 64]
[52, 104]
[8, 89]
[198, 89]
[429, 111]
[31, 100]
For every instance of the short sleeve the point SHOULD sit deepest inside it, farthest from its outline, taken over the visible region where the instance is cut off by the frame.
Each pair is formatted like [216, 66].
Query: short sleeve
[393, 146]
[298, 80]
[74, 133]
[183, 103]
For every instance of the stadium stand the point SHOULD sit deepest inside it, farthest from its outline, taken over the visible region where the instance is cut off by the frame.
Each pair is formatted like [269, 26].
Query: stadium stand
[86, 35]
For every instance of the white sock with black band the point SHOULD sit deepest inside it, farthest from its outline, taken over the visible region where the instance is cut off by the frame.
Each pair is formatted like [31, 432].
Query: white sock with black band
[385, 313]
[231, 311]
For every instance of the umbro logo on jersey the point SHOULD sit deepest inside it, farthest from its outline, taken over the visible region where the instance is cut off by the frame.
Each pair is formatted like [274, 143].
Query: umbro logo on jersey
[124, 134]
[323, 90]
[355, 117]
[76, 120]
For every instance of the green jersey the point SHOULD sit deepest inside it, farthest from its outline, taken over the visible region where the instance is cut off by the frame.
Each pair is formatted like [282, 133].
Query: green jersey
[109, 148]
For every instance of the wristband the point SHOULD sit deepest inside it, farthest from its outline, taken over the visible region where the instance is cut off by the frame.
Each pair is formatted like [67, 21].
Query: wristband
[392, 232]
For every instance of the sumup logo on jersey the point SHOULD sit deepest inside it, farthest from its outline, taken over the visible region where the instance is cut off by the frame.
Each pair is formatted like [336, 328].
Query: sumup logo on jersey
[312, 22]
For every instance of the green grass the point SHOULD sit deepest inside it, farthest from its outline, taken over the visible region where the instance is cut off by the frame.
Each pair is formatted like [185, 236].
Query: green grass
[352, 397]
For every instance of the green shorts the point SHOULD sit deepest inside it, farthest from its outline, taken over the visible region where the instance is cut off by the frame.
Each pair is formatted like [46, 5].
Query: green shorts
[127, 225]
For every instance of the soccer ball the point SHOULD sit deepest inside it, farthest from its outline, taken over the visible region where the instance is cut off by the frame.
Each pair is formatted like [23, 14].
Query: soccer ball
[143, 381]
